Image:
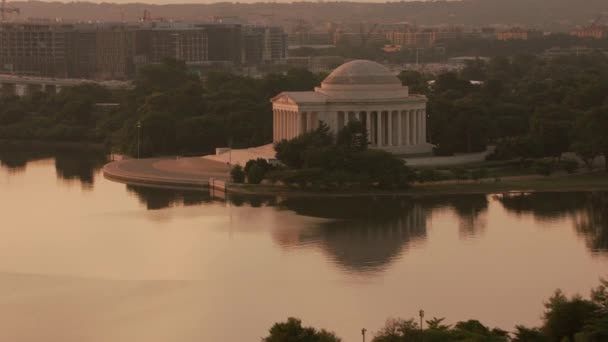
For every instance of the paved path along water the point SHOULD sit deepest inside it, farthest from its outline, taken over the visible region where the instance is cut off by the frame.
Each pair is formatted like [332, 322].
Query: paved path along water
[167, 172]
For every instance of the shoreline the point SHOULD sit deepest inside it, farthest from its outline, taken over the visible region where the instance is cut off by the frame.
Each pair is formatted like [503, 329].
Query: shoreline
[75, 145]
[193, 173]
[559, 183]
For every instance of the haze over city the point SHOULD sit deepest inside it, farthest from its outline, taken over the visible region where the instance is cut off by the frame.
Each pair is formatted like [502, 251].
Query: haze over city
[304, 172]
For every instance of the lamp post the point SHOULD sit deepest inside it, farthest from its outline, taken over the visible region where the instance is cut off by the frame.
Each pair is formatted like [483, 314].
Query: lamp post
[363, 331]
[138, 136]
[421, 313]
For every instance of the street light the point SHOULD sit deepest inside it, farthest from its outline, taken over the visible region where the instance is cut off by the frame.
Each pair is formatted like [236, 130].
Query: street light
[138, 136]
[421, 313]
[363, 331]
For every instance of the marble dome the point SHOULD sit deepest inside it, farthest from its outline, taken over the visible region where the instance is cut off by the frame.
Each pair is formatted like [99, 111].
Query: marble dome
[361, 72]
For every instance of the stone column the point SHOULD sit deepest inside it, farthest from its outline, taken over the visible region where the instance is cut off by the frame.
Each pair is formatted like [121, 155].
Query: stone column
[389, 129]
[423, 125]
[379, 130]
[274, 125]
[413, 131]
[289, 124]
[406, 127]
[283, 124]
[279, 124]
[293, 127]
[420, 126]
[368, 127]
[400, 129]
[295, 123]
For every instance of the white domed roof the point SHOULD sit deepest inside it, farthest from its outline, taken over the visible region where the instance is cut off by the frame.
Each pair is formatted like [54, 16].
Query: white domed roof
[361, 72]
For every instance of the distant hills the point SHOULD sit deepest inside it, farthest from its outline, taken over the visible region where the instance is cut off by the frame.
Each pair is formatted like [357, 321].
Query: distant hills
[542, 14]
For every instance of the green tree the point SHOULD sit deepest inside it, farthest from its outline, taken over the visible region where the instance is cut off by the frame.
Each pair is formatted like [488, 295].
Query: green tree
[293, 331]
[524, 334]
[564, 317]
[590, 138]
[353, 136]
[237, 174]
[552, 125]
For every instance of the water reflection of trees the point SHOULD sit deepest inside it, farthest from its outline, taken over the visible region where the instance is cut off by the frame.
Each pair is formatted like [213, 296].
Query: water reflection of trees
[589, 211]
[470, 210]
[543, 205]
[79, 166]
[17, 159]
[158, 198]
[592, 222]
[70, 164]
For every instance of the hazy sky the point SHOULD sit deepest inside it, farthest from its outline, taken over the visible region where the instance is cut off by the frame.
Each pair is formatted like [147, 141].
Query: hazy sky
[165, 2]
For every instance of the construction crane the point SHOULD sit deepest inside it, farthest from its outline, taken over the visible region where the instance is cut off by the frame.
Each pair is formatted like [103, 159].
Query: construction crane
[599, 18]
[5, 9]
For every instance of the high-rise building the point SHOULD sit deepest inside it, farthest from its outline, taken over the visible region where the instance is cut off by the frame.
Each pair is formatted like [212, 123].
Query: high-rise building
[38, 49]
[594, 31]
[224, 41]
[263, 44]
[116, 50]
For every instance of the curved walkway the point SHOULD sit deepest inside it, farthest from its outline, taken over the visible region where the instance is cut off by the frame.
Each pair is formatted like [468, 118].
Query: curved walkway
[192, 172]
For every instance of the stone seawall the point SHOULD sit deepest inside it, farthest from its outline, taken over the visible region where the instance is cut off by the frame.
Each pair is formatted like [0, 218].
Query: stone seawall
[184, 173]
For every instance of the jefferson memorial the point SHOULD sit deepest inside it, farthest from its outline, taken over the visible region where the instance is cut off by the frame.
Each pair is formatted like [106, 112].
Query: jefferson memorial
[360, 90]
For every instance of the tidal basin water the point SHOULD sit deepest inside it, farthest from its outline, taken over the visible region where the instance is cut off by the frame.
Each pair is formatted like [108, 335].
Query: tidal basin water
[86, 259]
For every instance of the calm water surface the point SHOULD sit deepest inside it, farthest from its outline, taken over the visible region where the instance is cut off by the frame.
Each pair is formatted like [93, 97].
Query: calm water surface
[86, 259]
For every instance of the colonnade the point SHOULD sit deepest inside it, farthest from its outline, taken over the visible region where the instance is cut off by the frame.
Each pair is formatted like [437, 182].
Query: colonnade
[388, 128]
[288, 124]
[385, 128]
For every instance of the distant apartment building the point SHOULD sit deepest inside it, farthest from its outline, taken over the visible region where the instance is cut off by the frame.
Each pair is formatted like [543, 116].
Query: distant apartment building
[593, 31]
[114, 51]
[421, 38]
[35, 49]
[225, 42]
[117, 50]
[516, 34]
[264, 44]
[156, 43]
[357, 38]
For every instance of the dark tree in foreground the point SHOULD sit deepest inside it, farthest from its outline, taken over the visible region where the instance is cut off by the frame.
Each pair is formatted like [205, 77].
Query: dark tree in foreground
[293, 331]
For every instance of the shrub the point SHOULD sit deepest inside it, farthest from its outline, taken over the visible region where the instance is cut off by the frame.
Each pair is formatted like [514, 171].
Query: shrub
[443, 151]
[460, 173]
[543, 167]
[237, 174]
[427, 175]
[255, 174]
[569, 165]
[292, 330]
[478, 174]
[260, 162]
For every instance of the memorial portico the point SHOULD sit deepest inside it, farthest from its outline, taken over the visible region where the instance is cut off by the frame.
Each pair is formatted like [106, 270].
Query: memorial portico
[359, 90]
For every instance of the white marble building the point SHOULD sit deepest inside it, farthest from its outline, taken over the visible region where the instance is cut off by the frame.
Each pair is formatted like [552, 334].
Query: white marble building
[358, 90]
